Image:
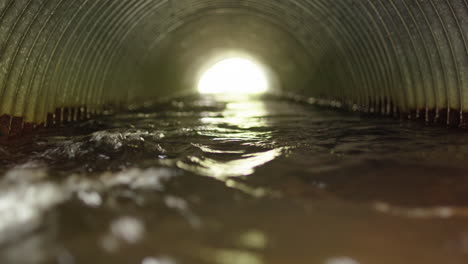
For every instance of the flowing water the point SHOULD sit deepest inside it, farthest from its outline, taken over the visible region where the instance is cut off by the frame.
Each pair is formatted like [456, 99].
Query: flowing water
[236, 181]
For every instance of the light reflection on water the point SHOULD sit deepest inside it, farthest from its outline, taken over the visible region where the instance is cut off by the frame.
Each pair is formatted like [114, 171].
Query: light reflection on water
[223, 170]
[241, 121]
[240, 180]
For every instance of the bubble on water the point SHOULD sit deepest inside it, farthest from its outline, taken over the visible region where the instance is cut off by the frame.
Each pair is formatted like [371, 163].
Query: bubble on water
[24, 199]
[90, 198]
[129, 229]
[341, 260]
[125, 230]
[23, 206]
[94, 191]
[117, 139]
[160, 260]
[139, 179]
[25, 173]
[25, 196]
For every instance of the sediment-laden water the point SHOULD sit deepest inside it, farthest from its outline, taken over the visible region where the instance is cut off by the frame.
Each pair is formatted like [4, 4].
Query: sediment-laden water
[236, 181]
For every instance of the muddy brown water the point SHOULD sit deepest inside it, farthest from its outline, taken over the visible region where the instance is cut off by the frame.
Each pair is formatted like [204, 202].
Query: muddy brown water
[236, 181]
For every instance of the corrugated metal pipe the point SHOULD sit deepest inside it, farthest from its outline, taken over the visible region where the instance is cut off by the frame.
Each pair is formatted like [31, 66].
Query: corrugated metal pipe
[64, 60]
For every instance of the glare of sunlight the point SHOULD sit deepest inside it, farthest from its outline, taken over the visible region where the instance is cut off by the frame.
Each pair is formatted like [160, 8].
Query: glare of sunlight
[234, 76]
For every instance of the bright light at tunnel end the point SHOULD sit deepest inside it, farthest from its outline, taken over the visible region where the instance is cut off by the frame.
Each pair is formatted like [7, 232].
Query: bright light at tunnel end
[234, 76]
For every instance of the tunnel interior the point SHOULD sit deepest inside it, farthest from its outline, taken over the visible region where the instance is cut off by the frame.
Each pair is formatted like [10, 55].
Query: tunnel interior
[112, 149]
[64, 60]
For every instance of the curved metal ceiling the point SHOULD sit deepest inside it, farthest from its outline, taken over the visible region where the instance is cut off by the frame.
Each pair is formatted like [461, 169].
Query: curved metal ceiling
[61, 60]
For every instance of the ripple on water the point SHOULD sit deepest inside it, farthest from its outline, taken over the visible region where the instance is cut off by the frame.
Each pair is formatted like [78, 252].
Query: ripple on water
[201, 180]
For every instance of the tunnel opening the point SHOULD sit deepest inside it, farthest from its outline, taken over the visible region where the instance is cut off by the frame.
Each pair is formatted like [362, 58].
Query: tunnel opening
[234, 75]
[182, 56]
[63, 62]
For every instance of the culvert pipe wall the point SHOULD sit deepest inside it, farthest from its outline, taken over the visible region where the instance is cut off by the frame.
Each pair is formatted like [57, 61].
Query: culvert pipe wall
[62, 60]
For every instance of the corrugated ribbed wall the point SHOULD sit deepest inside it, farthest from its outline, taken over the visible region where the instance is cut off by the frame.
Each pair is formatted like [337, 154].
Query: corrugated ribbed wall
[61, 60]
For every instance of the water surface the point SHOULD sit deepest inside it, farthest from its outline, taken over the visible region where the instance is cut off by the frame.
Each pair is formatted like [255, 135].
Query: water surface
[236, 181]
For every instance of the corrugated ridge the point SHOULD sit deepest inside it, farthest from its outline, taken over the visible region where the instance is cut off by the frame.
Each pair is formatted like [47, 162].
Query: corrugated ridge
[63, 60]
